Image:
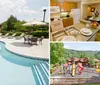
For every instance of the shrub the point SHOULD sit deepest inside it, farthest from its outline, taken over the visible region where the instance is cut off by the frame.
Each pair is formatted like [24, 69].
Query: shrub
[46, 34]
[39, 34]
[4, 32]
[10, 33]
[18, 33]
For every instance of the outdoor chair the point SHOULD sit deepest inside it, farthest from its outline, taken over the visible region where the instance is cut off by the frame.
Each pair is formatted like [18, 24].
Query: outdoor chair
[34, 40]
[26, 39]
[19, 37]
[29, 38]
[40, 40]
[11, 36]
[0, 34]
[4, 36]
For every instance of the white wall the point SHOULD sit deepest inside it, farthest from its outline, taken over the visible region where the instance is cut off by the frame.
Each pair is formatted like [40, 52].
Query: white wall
[84, 9]
[98, 8]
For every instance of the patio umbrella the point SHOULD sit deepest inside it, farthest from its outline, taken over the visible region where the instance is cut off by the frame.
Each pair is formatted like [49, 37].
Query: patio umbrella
[34, 22]
[27, 24]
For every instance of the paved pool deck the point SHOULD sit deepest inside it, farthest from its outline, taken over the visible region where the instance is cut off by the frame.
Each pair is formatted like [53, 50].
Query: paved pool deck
[18, 46]
[88, 76]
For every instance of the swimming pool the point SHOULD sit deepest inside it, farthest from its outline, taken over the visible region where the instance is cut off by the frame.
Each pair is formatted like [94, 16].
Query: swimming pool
[19, 70]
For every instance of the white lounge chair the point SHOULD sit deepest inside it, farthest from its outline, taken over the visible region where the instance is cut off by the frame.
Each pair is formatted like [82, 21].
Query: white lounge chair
[4, 36]
[10, 37]
[19, 37]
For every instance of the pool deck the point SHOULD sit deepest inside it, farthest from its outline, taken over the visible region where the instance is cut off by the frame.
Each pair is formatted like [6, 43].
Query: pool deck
[88, 76]
[18, 46]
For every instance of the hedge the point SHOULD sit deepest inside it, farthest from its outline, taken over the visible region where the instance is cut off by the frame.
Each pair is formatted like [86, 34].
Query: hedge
[4, 32]
[18, 33]
[39, 34]
[11, 33]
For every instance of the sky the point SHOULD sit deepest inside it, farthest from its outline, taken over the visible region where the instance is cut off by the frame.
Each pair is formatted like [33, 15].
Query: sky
[83, 46]
[27, 10]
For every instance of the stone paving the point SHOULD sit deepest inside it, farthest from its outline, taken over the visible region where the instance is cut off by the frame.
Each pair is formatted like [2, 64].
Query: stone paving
[85, 74]
[18, 46]
[89, 75]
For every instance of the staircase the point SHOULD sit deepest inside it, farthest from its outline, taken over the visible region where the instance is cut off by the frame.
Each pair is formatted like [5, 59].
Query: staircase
[41, 73]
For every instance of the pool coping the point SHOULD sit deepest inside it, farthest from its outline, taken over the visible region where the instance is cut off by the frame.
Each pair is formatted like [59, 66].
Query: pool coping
[22, 55]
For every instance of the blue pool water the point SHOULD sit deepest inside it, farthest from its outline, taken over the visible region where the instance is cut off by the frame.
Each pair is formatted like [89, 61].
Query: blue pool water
[19, 70]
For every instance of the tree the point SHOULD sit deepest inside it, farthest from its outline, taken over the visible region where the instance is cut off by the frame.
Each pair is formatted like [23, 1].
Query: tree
[57, 53]
[97, 55]
[18, 26]
[11, 22]
[91, 61]
[4, 26]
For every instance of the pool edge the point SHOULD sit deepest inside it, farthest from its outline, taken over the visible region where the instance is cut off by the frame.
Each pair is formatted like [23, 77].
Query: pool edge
[22, 55]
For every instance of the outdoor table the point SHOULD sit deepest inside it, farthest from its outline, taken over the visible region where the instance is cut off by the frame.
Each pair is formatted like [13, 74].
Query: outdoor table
[31, 39]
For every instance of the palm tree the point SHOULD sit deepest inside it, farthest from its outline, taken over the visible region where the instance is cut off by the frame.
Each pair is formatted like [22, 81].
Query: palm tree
[44, 10]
